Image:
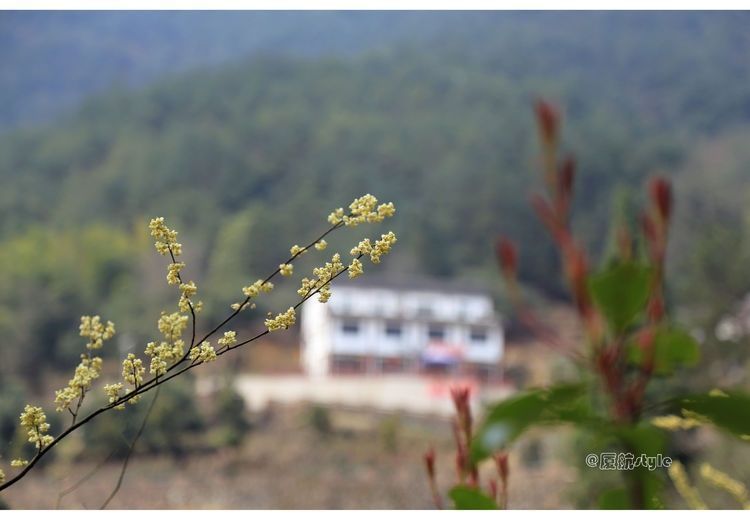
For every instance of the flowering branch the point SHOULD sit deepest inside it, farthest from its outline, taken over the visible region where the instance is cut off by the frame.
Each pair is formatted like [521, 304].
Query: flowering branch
[169, 359]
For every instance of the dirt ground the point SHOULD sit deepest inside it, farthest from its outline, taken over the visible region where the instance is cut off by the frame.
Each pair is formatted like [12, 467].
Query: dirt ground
[367, 461]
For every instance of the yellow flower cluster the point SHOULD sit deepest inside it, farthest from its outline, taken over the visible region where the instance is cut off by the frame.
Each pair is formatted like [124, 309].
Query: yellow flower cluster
[172, 325]
[203, 353]
[682, 484]
[19, 463]
[296, 250]
[2, 476]
[722, 481]
[173, 272]
[282, 321]
[165, 353]
[256, 288]
[96, 331]
[86, 372]
[381, 247]
[188, 290]
[113, 392]
[160, 355]
[166, 239]
[237, 306]
[364, 209]
[229, 338]
[673, 423]
[321, 245]
[286, 269]
[34, 420]
[132, 370]
[355, 269]
[323, 276]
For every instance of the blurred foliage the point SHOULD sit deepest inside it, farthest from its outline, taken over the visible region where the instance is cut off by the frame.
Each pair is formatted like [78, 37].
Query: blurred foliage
[319, 418]
[228, 424]
[175, 426]
[12, 401]
[235, 155]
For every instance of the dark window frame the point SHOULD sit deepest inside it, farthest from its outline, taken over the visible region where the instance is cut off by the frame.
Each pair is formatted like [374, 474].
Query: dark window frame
[350, 327]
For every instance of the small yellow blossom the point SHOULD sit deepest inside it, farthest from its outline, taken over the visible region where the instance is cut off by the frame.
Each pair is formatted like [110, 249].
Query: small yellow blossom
[363, 248]
[336, 216]
[229, 338]
[86, 372]
[286, 269]
[172, 325]
[96, 332]
[306, 286]
[204, 353]
[297, 250]
[257, 287]
[166, 238]
[381, 247]
[159, 354]
[722, 481]
[361, 210]
[281, 321]
[355, 269]
[173, 272]
[132, 401]
[321, 245]
[132, 370]
[34, 420]
[113, 391]
[385, 211]
[324, 294]
[322, 283]
[19, 463]
[2, 476]
[188, 289]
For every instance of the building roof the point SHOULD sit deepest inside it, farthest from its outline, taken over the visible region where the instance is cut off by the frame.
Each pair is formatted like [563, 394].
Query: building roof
[420, 283]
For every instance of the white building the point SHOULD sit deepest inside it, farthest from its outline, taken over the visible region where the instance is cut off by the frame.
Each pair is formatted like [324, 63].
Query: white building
[381, 325]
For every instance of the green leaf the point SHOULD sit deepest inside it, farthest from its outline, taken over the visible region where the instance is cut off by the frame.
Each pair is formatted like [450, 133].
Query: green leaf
[468, 498]
[672, 347]
[727, 410]
[641, 439]
[508, 419]
[621, 292]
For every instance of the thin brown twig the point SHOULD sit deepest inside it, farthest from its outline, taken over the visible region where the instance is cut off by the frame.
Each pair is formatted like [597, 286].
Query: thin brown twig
[131, 448]
[84, 479]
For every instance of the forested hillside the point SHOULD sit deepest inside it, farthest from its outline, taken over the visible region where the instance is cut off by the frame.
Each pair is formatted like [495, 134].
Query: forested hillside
[245, 157]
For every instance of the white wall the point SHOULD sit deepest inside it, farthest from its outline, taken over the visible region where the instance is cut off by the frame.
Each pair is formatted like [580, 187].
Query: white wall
[414, 310]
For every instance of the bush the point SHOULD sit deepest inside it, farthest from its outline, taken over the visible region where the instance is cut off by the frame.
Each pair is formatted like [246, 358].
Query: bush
[173, 426]
[229, 422]
[319, 418]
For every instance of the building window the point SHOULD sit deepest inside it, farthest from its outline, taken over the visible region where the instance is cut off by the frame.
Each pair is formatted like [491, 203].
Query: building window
[424, 310]
[393, 329]
[350, 326]
[478, 334]
[436, 332]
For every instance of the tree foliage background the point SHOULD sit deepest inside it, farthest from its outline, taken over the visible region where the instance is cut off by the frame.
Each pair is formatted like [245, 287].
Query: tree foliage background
[111, 118]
